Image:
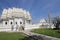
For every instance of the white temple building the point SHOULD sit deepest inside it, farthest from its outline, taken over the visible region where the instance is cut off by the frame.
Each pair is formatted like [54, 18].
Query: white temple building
[16, 19]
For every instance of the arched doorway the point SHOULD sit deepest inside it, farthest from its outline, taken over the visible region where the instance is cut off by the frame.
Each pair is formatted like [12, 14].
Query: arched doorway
[21, 28]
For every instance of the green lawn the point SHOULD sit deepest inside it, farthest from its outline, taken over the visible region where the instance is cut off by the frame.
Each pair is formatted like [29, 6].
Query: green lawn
[12, 36]
[49, 32]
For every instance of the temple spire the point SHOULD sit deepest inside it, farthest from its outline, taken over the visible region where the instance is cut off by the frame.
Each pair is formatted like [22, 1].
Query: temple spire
[49, 19]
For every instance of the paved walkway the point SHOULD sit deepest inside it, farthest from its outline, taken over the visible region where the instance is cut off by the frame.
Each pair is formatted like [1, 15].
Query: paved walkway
[36, 36]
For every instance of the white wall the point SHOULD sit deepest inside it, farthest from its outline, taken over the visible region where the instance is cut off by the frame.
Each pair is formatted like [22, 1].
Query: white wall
[8, 26]
[4, 27]
[30, 26]
[18, 20]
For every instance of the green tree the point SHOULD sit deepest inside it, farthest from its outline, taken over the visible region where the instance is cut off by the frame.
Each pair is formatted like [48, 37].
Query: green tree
[56, 22]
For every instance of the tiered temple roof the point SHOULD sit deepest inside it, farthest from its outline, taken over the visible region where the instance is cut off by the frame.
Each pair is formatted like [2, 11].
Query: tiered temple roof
[15, 12]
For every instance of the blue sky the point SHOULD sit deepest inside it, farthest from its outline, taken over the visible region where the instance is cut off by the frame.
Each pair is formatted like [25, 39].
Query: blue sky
[38, 8]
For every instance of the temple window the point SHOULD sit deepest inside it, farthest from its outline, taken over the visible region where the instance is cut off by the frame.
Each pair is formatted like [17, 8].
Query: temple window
[29, 21]
[16, 22]
[6, 23]
[11, 23]
[20, 22]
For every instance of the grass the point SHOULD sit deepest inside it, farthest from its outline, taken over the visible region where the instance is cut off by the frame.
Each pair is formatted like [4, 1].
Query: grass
[12, 36]
[49, 32]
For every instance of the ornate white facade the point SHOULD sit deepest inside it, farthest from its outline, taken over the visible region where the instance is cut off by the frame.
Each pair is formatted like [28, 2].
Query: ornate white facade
[15, 19]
